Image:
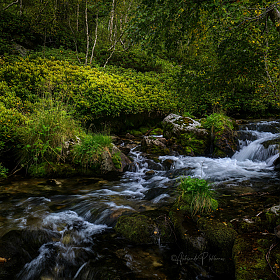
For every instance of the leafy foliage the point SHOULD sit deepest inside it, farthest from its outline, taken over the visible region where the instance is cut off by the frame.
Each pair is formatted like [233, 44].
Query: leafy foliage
[44, 135]
[198, 196]
[93, 92]
[217, 121]
[10, 121]
[3, 171]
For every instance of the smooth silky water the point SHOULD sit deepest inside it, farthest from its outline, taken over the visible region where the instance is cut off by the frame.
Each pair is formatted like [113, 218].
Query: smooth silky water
[83, 211]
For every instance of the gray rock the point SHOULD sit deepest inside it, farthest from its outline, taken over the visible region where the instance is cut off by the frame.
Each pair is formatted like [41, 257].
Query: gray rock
[180, 125]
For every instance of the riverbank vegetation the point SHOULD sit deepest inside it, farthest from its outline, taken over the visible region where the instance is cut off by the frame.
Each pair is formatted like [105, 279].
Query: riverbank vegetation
[106, 63]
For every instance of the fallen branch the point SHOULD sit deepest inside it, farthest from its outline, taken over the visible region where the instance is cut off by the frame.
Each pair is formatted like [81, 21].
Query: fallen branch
[267, 258]
[259, 193]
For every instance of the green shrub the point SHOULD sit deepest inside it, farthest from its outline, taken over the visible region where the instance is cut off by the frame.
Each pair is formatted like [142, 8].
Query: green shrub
[217, 122]
[94, 93]
[10, 120]
[3, 171]
[45, 132]
[197, 195]
[88, 152]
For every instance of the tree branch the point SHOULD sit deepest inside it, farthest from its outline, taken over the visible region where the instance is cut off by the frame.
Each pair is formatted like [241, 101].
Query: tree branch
[11, 4]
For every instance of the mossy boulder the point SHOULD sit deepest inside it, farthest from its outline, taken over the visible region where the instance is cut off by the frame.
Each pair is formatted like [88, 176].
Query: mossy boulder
[175, 125]
[249, 255]
[114, 161]
[154, 145]
[220, 237]
[185, 135]
[192, 240]
[149, 227]
[225, 142]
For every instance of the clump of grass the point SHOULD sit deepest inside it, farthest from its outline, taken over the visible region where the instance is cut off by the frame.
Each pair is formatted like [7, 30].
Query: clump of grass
[88, 152]
[45, 132]
[198, 196]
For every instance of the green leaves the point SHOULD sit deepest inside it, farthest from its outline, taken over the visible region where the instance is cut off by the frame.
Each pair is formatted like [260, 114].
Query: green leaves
[3, 171]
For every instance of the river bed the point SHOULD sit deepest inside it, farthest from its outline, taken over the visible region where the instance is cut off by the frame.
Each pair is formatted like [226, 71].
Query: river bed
[83, 211]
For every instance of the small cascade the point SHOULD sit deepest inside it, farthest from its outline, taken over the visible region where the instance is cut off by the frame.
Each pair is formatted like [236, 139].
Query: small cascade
[259, 142]
[256, 150]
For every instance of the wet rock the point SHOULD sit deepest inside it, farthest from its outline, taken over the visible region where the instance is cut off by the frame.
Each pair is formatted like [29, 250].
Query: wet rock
[145, 263]
[179, 172]
[192, 240]
[20, 247]
[225, 143]
[125, 150]
[276, 164]
[152, 145]
[129, 136]
[150, 172]
[53, 182]
[154, 165]
[153, 192]
[114, 161]
[146, 228]
[175, 125]
[167, 164]
[221, 238]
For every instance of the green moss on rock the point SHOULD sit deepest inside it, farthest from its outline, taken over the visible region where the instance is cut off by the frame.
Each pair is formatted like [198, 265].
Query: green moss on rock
[146, 228]
[220, 235]
[221, 239]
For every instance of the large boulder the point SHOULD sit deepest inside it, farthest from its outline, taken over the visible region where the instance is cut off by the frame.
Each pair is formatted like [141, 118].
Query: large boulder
[185, 135]
[114, 161]
[150, 227]
[175, 125]
[225, 142]
[154, 145]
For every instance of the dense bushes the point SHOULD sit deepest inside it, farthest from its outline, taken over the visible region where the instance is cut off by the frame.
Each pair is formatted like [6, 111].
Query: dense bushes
[92, 92]
[40, 98]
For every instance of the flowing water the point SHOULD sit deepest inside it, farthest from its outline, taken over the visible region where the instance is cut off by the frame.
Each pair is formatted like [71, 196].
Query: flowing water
[80, 213]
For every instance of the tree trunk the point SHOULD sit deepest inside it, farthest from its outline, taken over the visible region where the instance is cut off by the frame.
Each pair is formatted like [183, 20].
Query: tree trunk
[78, 10]
[86, 18]
[111, 21]
[95, 40]
[274, 15]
